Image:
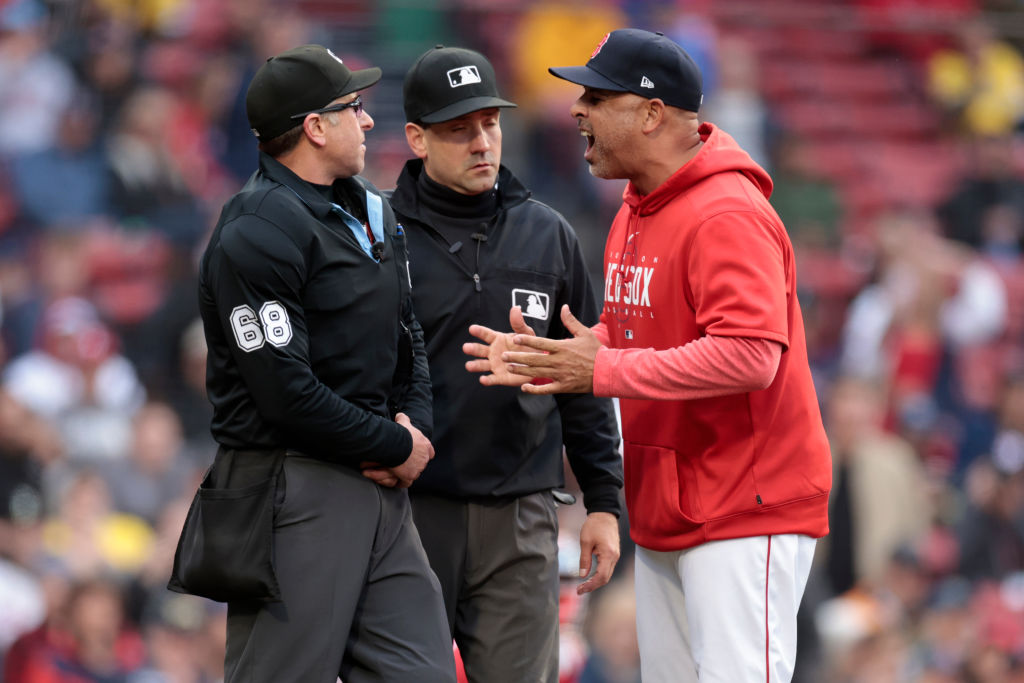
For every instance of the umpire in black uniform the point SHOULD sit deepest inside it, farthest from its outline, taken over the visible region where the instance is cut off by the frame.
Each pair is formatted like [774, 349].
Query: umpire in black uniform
[484, 508]
[313, 348]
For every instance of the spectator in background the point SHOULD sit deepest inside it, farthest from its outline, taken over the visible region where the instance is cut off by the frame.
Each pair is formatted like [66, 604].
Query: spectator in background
[991, 179]
[88, 536]
[560, 33]
[78, 380]
[27, 655]
[90, 642]
[552, 33]
[879, 500]
[74, 167]
[991, 532]
[807, 202]
[23, 601]
[693, 28]
[108, 60]
[175, 628]
[947, 632]
[865, 632]
[613, 655]
[736, 105]
[155, 471]
[37, 269]
[928, 295]
[27, 444]
[36, 87]
[149, 185]
[1002, 235]
[268, 29]
[979, 83]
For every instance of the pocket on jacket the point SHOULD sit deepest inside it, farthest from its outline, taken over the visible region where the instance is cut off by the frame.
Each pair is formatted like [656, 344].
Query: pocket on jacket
[661, 492]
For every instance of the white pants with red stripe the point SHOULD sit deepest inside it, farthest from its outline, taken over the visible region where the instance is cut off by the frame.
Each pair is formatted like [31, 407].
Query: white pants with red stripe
[722, 612]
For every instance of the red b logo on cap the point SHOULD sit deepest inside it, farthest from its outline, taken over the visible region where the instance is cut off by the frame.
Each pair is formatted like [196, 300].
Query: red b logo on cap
[600, 45]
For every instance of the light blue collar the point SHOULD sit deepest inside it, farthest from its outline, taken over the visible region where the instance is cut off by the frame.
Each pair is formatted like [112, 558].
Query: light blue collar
[375, 214]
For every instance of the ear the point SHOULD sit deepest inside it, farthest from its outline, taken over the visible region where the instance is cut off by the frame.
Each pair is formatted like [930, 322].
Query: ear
[414, 135]
[653, 115]
[315, 128]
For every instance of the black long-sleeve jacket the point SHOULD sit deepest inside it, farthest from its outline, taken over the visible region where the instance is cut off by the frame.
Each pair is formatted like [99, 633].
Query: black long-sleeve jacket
[312, 342]
[499, 441]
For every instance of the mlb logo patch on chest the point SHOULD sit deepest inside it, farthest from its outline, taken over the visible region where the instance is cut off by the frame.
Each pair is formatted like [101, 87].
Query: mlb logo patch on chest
[534, 304]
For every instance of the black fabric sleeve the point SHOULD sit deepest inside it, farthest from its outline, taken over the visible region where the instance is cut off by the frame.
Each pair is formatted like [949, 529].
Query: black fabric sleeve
[412, 394]
[416, 397]
[262, 266]
[589, 429]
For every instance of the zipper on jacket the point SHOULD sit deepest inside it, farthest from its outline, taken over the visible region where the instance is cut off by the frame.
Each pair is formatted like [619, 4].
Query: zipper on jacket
[454, 248]
[479, 238]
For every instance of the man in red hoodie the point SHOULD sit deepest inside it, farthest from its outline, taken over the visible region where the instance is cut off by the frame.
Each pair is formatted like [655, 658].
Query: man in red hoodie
[702, 340]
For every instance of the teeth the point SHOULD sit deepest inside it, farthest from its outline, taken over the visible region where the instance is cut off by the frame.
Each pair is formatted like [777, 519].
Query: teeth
[586, 134]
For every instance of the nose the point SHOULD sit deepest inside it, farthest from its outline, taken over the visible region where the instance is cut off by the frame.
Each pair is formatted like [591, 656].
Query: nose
[365, 120]
[480, 141]
[578, 110]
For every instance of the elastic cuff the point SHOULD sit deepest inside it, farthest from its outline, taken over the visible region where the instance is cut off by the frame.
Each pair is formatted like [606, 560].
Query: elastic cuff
[604, 364]
[400, 447]
[604, 498]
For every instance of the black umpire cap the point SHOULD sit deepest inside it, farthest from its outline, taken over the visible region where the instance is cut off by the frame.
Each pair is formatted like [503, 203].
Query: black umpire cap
[297, 82]
[448, 82]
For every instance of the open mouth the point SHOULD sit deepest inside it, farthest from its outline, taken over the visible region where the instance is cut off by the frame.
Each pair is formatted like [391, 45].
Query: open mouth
[589, 137]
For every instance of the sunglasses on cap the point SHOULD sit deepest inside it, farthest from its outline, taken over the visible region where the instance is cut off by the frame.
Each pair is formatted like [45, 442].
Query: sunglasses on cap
[356, 104]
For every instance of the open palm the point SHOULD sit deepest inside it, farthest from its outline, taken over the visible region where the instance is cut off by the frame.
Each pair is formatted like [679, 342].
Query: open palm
[488, 354]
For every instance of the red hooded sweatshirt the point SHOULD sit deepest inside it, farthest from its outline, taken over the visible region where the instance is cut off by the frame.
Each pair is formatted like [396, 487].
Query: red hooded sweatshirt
[705, 254]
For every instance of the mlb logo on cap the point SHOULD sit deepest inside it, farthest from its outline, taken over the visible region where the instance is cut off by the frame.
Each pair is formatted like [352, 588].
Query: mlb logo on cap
[464, 75]
[448, 82]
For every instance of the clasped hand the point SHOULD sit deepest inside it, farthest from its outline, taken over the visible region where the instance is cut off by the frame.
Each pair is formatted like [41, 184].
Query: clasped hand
[405, 474]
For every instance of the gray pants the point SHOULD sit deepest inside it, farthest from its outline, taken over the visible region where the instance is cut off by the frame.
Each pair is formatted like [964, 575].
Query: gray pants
[358, 598]
[498, 567]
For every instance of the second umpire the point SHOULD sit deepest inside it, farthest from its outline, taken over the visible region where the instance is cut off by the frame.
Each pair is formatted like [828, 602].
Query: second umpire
[485, 508]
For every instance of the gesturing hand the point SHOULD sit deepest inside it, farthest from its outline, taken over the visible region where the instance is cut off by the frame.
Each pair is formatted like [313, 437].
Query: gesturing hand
[568, 364]
[490, 352]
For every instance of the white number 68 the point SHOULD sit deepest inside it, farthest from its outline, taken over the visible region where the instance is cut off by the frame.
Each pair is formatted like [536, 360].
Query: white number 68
[250, 335]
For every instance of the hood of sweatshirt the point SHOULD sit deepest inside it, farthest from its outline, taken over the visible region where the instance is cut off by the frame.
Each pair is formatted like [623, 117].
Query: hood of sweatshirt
[719, 154]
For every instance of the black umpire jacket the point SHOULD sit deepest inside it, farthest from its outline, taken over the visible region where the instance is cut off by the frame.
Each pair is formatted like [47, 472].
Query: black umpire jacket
[312, 342]
[499, 441]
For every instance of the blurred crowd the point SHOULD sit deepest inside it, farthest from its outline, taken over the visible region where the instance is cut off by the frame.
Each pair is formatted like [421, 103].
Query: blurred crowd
[894, 132]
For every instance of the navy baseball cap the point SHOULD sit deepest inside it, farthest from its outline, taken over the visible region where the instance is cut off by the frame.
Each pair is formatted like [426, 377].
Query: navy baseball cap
[643, 63]
[448, 82]
[298, 81]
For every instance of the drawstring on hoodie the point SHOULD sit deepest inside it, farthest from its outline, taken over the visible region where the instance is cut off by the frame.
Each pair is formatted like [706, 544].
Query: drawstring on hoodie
[628, 246]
